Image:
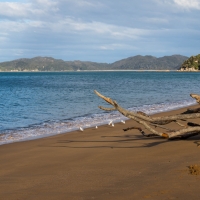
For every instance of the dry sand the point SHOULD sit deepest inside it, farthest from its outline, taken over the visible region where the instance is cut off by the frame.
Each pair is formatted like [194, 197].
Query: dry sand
[104, 163]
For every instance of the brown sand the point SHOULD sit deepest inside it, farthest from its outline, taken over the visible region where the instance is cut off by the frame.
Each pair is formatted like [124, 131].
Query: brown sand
[104, 163]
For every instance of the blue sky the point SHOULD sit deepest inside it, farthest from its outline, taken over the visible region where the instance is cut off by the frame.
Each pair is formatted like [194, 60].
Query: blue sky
[98, 30]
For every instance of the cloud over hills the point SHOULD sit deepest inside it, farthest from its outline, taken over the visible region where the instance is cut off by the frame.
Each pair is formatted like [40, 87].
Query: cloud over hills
[100, 31]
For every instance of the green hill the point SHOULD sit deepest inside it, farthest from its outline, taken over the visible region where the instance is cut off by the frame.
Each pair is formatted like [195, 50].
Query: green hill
[48, 64]
[191, 64]
[132, 63]
[150, 63]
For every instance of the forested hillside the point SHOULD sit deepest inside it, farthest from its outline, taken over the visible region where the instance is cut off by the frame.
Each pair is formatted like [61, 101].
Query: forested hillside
[173, 62]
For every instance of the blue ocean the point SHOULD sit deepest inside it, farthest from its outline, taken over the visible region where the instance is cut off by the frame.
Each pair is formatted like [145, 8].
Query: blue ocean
[40, 104]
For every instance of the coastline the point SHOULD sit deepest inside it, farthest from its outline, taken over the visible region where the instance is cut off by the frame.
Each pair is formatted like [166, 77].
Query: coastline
[19, 135]
[122, 70]
[49, 98]
[103, 163]
[78, 71]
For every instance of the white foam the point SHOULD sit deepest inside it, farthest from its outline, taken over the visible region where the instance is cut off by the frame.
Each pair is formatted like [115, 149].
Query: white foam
[47, 129]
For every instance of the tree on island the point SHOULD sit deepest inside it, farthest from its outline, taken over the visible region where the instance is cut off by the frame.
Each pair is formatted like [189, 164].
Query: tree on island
[191, 64]
[149, 122]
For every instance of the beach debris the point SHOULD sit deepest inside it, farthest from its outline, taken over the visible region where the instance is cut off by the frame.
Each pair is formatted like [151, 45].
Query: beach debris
[196, 96]
[80, 128]
[189, 111]
[138, 128]
[122, 121]
[96, 127]
[142, 113]
[192, 124]
[149, 122]
[194, 169]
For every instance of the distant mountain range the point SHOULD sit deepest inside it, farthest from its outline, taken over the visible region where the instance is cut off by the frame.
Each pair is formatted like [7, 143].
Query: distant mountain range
[138, 62]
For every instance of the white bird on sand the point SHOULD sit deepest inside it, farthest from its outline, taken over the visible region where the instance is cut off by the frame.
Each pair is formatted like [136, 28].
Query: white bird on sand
[113, 125]
[81, 129]
[96, 127]
[110, 122]
[122, 121]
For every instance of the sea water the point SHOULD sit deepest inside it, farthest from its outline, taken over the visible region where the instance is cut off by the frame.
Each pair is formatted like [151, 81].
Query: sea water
[39, 104]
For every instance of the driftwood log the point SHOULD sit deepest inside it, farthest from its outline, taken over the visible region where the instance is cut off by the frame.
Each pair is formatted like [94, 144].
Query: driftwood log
[150, 123]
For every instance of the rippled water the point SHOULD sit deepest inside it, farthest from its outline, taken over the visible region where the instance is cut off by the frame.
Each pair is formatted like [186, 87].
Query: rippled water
[41, 104]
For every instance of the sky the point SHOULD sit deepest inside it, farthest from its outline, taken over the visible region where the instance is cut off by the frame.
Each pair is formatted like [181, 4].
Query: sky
[98, 30]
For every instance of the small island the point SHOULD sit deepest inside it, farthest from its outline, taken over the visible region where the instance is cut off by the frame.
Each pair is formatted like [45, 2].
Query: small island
[191, 64]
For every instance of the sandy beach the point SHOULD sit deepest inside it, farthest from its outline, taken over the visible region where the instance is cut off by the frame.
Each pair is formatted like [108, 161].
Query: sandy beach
[104, 163]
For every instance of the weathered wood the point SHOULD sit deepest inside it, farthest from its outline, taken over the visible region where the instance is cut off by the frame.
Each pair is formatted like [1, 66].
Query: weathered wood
[107, 109]
[138, 128]
[156, 125]
[142, 113]
[185, 131]
[148, 121]
[155, 120]
[196, 96]
[189, 111]
[148, 127]
[180, 124]
[192, 124]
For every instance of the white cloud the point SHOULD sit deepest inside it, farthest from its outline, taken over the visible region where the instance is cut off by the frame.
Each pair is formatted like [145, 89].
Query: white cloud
[87, 25]
[156, 20]
[65, 24]
[3, 39]
[118, 32]
[13, 9]
[12, 26]
[33, 9]
[84, 3]
[188, 4]
[172, 5]
[118, 46]
[45, 5]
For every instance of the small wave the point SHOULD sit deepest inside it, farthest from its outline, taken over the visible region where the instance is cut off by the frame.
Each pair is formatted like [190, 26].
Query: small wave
[53, 128]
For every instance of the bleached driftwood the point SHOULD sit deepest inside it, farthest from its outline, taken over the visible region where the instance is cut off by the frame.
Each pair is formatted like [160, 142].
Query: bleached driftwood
[148, 122]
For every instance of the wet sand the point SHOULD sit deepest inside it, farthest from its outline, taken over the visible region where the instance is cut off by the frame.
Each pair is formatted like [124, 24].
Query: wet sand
[104, 163]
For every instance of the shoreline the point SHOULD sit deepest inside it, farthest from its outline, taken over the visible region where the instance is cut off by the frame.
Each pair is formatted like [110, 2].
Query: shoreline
[104, 163]
[13, 136]
[122, 70]
[79, 71]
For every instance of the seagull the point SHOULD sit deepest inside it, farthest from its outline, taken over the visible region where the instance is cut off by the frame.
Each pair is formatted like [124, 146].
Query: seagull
[81, 129]
[96, 127]
[110, 122]
[122, 121]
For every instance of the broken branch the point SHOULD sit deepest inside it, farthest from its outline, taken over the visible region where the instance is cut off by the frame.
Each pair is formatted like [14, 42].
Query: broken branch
[142, 119]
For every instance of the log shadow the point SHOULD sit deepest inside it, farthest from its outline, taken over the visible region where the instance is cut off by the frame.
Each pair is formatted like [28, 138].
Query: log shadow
[126, 140]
